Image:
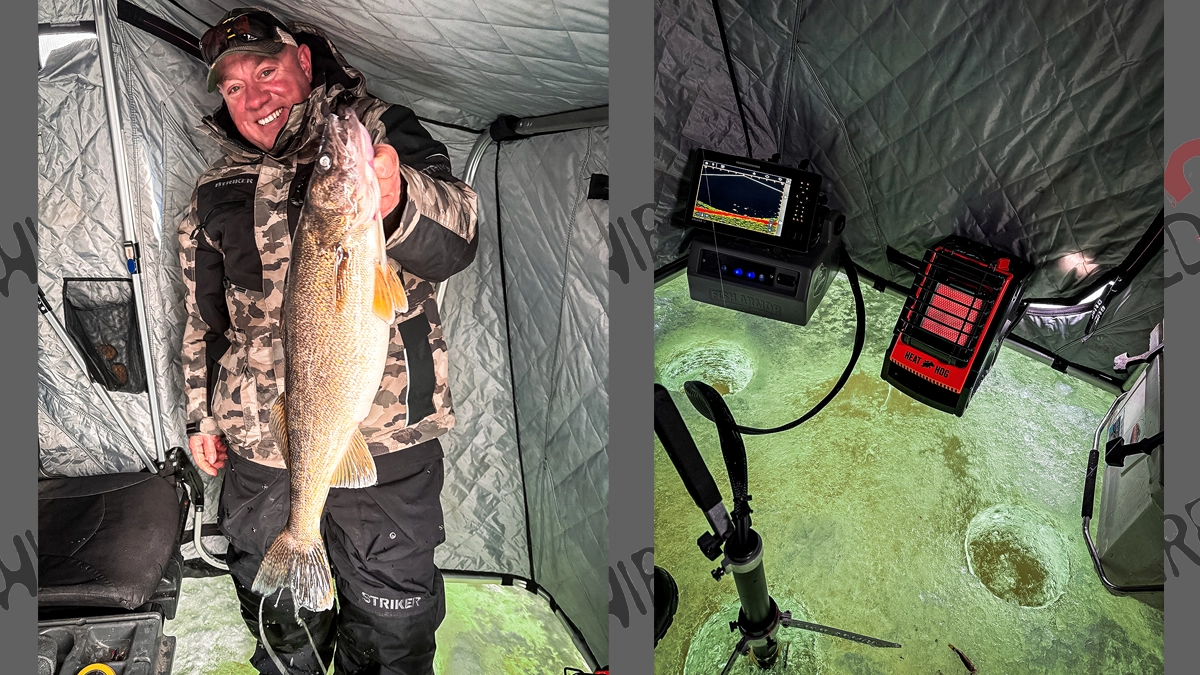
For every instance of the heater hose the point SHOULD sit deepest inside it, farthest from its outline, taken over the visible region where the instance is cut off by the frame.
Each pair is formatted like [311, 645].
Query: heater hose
[860, 336]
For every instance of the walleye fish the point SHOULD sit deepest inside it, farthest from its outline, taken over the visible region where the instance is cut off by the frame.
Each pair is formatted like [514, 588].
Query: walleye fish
[340, 298]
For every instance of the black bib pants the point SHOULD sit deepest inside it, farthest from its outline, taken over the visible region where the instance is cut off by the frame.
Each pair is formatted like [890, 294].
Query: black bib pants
[380, 541]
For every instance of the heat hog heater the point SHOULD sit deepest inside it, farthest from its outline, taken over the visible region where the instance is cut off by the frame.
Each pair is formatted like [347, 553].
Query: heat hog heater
[963, 301]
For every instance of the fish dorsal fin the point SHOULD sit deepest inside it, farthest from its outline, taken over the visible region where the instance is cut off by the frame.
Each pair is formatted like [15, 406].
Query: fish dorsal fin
[357, 469]
[278, 425]
[389, 294]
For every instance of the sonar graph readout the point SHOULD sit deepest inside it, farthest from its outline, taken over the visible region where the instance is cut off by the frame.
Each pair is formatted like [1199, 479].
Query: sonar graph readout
[745, 198]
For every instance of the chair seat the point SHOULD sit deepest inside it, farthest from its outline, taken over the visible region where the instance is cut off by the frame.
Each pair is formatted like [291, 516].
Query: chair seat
[104, 541]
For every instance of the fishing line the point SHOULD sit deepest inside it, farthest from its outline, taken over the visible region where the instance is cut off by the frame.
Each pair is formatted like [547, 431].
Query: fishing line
[262, 636]
[311, 643]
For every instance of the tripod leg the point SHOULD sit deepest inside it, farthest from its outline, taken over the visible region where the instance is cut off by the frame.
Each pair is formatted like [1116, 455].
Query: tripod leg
[788, 621]
[737, 651]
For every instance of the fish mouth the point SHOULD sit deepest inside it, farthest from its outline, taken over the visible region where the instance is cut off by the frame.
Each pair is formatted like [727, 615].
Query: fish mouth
[344, 175]
[344, 140]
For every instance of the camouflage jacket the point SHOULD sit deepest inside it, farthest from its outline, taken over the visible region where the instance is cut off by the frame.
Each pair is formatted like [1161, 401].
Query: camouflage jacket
[235, 246]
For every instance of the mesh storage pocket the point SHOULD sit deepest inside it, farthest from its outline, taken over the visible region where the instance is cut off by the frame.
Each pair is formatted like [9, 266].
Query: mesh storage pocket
[102, 321]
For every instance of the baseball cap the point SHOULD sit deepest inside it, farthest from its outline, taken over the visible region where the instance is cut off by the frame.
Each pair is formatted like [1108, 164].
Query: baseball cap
[245, 30]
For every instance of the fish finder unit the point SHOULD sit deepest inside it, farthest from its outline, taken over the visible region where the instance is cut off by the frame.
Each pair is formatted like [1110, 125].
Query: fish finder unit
[754, 200]
[766, 244]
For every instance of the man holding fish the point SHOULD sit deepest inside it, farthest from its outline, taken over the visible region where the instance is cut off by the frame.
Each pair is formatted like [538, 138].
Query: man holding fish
[313, 356]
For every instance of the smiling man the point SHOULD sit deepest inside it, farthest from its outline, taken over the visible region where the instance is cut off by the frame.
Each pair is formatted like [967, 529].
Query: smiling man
[278, 83]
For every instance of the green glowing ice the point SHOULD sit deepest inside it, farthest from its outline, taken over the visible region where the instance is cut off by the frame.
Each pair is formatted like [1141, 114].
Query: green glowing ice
[488, 629]
[865, 509]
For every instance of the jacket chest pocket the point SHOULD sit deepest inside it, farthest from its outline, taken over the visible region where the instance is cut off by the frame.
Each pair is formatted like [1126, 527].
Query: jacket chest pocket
[235, 402]
[226, 211]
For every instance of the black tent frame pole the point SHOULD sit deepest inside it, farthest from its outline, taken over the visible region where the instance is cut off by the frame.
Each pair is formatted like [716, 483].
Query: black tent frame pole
[512, 377]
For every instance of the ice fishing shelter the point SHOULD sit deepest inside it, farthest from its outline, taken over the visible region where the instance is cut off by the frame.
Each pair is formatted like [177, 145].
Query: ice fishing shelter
[1032, 126]
[527, 473]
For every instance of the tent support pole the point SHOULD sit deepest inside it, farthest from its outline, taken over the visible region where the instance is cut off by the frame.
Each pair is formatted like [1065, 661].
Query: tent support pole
[132, 257]
[105, 397]
[530, 126]
[567, 121]
[473, 160]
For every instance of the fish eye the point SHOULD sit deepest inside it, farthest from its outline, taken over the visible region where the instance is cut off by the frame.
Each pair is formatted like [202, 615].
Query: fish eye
[325, 161]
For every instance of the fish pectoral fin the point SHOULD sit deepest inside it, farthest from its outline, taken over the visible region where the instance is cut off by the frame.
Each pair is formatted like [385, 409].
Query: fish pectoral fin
[399, 297]
[357, 469]
[278, 425]
[389, 294]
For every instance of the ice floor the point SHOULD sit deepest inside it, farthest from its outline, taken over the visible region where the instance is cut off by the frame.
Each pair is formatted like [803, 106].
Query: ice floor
[488, 629]
[866, 508]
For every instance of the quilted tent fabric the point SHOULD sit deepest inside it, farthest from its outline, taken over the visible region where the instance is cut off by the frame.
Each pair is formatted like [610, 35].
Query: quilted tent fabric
[483, 499]
[557, 281]
[463, 62]
[164, 154]
[62, 11]
[79, 231]
[1035, 127]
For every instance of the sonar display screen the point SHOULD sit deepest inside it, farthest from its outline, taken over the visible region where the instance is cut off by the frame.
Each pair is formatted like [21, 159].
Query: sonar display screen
[740, 197]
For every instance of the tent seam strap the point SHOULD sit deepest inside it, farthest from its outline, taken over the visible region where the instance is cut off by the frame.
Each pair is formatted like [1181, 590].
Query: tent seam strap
[511, 371]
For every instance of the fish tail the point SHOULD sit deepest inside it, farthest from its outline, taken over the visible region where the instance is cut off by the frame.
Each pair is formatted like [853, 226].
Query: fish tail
[300, 564]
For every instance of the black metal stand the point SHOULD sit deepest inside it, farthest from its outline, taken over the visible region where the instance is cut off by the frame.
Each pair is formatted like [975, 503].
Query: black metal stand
[760, 617]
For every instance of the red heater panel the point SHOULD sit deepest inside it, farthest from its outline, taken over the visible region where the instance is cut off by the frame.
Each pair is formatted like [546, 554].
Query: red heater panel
[952, 314]
[950, 322]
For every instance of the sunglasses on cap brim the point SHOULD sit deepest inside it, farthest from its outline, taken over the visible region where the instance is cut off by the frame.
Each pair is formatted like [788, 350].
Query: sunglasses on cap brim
[240, 30]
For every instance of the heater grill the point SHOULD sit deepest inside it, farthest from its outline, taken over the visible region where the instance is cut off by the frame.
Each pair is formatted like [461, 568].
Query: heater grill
[953, 314]
[952, 302]
[946, 332]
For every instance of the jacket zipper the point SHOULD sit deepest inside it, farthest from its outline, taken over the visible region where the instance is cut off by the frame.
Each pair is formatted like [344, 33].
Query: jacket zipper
[217, 382]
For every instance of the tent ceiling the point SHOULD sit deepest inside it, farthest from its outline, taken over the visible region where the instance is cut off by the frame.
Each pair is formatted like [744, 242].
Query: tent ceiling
[1035, 127]
[463, 61]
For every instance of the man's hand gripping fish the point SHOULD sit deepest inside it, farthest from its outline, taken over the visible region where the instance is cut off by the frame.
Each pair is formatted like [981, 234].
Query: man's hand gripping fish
[340, 299]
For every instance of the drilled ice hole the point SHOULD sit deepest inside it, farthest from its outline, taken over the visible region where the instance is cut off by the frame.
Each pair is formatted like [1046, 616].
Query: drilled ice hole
[724, 366]
[1017, 555]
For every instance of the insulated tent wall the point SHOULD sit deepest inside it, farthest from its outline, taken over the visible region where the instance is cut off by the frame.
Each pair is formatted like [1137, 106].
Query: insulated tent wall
[527, 476]
[555, 277]
[1033, 126]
